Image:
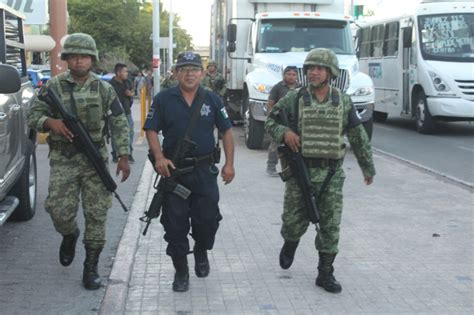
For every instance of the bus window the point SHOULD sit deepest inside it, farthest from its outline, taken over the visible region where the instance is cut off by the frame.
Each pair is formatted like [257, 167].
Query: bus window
[365, 42]
[390, 44]
[447, 37]
[376, 41]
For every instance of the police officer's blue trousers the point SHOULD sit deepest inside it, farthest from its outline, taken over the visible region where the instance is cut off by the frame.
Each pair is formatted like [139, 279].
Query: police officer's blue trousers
[200, 212]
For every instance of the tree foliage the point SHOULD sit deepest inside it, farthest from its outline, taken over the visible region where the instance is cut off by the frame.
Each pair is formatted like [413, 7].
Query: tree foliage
[122, 29]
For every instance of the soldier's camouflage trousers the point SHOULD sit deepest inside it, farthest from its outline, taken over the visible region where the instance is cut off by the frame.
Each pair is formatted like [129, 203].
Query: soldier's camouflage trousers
[295, 218]
[71, 179]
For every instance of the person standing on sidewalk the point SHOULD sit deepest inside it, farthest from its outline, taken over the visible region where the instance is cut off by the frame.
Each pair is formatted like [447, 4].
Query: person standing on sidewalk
[72, 176]
[323, 115]
[124, 89]
[171, 114]
[289, 82]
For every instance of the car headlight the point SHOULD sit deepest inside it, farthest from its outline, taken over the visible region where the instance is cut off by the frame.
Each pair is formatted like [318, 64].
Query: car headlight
[438, 83]
[262, 88]
[363, 91]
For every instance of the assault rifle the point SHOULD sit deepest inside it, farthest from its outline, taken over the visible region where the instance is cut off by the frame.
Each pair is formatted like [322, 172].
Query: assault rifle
[81, 140]
[168, 184]
[300, 171]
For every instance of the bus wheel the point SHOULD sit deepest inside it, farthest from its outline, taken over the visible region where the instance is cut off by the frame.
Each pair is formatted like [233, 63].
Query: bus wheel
[425, 123]
[380, 117]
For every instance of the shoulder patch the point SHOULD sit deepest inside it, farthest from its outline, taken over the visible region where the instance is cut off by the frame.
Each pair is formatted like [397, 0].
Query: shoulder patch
[224, 113]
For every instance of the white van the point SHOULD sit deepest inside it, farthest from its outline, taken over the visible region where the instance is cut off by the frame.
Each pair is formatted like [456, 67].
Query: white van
[422, 64]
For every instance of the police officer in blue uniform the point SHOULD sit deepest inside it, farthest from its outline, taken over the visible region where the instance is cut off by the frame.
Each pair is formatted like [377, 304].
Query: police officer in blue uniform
[171, 114]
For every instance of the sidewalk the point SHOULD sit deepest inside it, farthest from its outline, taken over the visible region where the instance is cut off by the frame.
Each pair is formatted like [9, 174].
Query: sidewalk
[406, 247]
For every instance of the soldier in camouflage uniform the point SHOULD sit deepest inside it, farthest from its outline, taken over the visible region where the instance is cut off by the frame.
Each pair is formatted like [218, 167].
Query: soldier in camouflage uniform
[323, 115]
[71, 175]
[170, 80]
[213, 80]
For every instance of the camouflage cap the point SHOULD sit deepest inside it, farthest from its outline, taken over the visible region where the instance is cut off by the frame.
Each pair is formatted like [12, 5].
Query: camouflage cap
[79, 43]
[322, 57]
[189, 58]
[211, 63]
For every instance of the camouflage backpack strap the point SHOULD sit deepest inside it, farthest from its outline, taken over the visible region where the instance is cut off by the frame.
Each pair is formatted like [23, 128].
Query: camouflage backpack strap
[335, 97]
[68, 88]
[97, 85]
[302, 93]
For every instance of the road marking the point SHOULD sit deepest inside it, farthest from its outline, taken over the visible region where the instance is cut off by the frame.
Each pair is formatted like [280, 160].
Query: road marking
[425, 168]
[467, 149]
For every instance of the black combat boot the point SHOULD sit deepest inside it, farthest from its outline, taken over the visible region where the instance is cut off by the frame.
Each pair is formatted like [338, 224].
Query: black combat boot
[201, 261]
[325, 277]
[67, 251]
[181, 277]
[287, 253]
[90, 277]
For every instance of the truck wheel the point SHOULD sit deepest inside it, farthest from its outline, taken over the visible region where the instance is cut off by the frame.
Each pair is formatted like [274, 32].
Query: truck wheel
[25, 188]
[380, 117]
[425, 123]
[369, 127]
[254, 133]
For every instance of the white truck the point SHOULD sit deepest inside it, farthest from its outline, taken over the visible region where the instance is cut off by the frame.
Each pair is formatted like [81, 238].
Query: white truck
[262, 37]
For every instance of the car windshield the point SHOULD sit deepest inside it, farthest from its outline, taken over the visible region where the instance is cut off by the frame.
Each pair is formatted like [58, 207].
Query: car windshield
[284, 35]
[447, 37]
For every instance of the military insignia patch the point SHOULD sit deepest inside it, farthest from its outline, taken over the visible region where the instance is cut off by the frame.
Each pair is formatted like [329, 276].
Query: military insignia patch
[224, 113]
[205, 110]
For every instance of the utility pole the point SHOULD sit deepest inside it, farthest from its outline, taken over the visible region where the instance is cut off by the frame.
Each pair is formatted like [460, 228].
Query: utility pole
[170, 36]
[58, 29]
[156, 47]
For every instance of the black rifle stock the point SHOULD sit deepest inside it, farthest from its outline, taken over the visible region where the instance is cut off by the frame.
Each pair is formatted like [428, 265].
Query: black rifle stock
[300, 171]
[168, 184]
[82, 140]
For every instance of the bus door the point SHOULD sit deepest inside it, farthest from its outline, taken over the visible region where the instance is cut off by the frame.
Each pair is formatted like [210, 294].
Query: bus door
[407, 43]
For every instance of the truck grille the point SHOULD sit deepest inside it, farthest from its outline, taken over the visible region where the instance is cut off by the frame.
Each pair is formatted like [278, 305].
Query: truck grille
[341, 82]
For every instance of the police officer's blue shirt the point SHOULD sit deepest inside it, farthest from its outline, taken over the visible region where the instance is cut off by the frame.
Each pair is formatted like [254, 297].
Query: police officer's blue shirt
[171, 114]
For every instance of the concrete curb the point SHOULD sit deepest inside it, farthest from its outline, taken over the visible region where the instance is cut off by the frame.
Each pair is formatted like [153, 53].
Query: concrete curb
[426, 169]
[117, 286]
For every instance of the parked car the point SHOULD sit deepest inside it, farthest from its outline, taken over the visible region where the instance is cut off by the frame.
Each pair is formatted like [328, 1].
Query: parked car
[36, 77]
[17, 141]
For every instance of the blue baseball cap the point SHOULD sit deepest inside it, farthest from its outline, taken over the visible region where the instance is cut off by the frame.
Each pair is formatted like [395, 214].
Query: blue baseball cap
[189, 58]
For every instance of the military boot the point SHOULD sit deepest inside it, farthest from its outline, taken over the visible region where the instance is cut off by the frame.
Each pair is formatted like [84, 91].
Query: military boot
[201, 261]
[181, 277]
[325, 277]
[67, 251]
[90, 277]
[287, 253]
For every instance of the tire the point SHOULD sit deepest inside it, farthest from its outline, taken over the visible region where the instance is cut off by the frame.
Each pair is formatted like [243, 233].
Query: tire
[380, 117]
[256, 132]
[425, 123]
[369, 127]
[25, 187]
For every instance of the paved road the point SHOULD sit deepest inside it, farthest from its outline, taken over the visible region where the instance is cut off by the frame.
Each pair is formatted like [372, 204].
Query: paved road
[32, 281]
[449, 152]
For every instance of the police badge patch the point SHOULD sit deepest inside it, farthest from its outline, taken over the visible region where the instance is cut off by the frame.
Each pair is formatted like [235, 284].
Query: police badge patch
[224, 113]
[205, 110]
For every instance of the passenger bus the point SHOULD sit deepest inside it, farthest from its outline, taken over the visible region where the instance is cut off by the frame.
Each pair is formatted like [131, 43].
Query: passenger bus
[422, 64]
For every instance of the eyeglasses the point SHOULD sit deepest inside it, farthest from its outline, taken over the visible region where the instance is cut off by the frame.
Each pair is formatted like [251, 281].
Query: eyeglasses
[189, 69]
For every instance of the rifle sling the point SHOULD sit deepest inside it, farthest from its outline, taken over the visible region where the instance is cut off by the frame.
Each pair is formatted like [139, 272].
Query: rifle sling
[195, 115]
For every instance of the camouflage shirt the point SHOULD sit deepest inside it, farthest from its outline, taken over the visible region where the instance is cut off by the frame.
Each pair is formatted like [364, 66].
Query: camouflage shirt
[112, 115]
[169, 81]
[355, 132]
[215, 83]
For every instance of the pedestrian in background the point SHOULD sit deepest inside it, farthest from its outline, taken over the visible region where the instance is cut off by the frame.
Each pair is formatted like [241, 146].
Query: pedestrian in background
[139, 82]
[322, 115]
[172, 113]
[214, 80]
[72, 176]
[289, 82]
[170, 79]
[123, 88]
